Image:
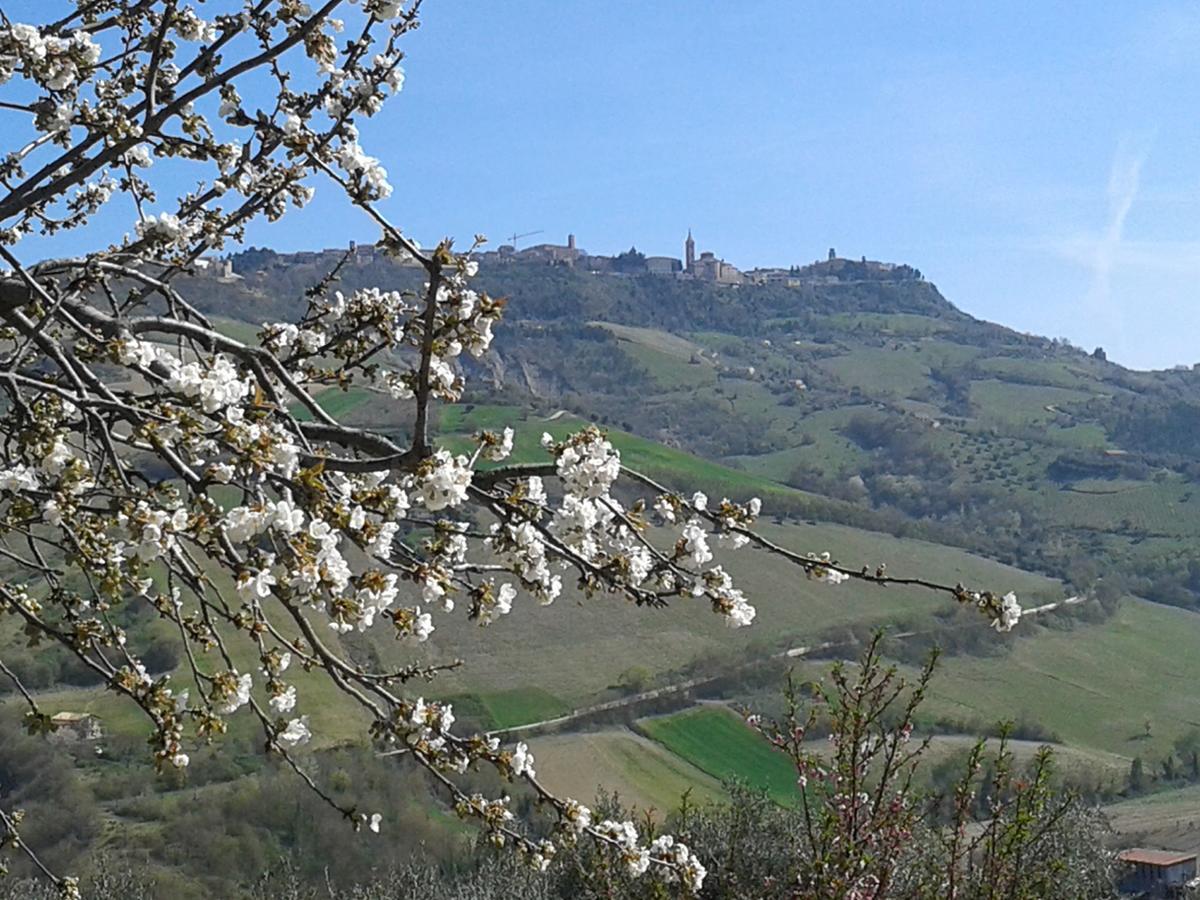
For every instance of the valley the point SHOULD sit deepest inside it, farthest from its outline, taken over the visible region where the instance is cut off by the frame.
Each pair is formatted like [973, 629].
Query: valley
[876, 422]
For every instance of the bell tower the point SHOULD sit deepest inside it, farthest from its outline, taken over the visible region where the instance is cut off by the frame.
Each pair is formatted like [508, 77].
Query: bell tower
[689, 253]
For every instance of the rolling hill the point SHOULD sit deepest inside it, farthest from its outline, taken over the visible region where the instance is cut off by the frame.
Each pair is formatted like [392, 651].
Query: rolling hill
[875, 421]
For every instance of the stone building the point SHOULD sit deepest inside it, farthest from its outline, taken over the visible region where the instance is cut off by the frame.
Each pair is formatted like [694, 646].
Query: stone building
[556, 254]
[773, 275]
[74, 727]
[707, 267]
[663, 265]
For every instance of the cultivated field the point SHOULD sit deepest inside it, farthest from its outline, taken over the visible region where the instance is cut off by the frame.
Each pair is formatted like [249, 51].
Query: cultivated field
[1094, 686]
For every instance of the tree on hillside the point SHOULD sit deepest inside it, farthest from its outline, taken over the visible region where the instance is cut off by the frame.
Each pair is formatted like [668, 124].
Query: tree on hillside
[631, 262]
[153, 463]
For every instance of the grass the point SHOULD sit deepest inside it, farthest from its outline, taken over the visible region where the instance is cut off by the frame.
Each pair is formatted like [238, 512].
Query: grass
[669, 371]
[1021, 404]
[663, 341]
[1095, 686]
[906, 324]
[1049, 373]
[675, 467]
[468, 418]
[1168, 818]
[719, 743]
[826, 450]
[1071, 762]
[505, 709]
[239, 331]
[880, 370]
[640, 771]
[674, 363]
[335, 402]
[579, 646]
[1082, 434]
[1171, 507]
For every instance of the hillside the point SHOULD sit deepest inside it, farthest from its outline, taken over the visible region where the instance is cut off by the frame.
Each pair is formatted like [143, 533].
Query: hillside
[886, 405]
[875, 420]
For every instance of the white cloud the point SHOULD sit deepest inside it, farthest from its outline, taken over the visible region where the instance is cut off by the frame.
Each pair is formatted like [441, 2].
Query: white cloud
[1124, 180]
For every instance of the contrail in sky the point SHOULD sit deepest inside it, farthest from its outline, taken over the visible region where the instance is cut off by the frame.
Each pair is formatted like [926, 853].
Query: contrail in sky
[1124, 180]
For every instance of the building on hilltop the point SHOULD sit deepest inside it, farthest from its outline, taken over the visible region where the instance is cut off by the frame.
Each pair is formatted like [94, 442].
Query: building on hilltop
[774, 275]
[216, 267]
[555, 254]
[362, 254]
[840, 269]
[707, 267]
[598, 265]
[663, 265]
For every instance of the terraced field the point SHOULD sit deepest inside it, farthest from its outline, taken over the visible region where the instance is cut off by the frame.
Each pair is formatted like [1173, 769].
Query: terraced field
[719, 743]
[641, 771]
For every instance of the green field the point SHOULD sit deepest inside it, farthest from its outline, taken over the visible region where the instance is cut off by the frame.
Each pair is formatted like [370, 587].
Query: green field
[906, 324]
[1022, 404]
[468, 418]
[336, 402]
[898, 371]
[504, 709]
[820, 445]
[1095, 686]
[604, 636]
[1081, 765]
[718, 742]
[1168, 507]
[239, 331]
[1031, 371]
[674, 467]
[962, 429]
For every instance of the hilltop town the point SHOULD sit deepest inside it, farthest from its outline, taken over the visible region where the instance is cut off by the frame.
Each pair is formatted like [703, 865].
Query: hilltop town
[705, 266]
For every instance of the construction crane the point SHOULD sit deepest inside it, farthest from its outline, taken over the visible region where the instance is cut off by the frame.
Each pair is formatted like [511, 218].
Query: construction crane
[513, 238]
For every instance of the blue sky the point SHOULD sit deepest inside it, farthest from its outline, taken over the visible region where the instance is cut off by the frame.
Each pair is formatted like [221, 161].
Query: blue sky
[1037, 161]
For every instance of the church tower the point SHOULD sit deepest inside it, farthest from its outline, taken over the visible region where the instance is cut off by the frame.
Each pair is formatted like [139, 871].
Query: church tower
[689, 253]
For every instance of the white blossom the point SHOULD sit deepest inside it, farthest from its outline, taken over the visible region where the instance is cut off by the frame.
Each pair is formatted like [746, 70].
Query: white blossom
[285, 701]
[296, 732]
[445, 481]
[1010, 613]
[18, 478]
[695, 542]
[522, 761]
[238, 695]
